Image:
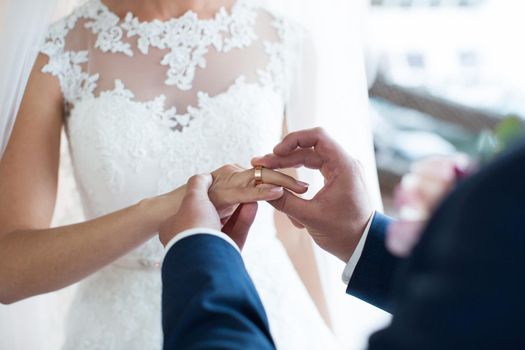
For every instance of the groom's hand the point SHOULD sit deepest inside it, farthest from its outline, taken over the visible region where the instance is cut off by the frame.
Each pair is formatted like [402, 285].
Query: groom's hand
[197, 211]
[337, 215]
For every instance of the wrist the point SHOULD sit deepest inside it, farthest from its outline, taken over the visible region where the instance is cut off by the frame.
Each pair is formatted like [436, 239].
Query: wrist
[356, 237]
[344, 257]
[347, 249]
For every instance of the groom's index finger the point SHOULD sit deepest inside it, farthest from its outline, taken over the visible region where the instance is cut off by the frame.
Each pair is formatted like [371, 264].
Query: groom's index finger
[298, 158]
[298, 139]
[316, 138]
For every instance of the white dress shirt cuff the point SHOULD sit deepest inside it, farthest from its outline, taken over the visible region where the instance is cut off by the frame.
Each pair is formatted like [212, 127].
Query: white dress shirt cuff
[354, 259]
[199, 231]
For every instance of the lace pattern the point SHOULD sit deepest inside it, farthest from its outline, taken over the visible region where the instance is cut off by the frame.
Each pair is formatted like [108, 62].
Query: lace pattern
[187, 40]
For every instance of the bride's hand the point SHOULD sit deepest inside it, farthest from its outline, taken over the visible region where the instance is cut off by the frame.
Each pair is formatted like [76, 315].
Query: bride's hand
[234, 185]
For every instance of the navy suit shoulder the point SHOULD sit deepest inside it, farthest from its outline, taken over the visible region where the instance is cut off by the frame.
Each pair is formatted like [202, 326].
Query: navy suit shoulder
[373, 276]
[463, 286]
[208, 299]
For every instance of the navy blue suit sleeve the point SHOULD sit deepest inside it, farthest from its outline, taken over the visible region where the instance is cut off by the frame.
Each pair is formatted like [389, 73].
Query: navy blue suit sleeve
[374, 273]
[208, 299]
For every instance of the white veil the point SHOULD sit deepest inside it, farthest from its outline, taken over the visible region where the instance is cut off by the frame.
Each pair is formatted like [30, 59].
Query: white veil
[23, 25]
[34, 323]
[342, 108]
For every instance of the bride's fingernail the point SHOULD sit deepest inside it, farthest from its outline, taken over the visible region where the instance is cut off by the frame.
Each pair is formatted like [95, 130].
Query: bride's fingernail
[276, 190]
[303, 184]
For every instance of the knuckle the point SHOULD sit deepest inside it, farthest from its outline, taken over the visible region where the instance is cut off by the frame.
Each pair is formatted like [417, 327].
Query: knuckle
[292, 135]
[195, 179]
[319, 131]
[201, 180]
[225, 169]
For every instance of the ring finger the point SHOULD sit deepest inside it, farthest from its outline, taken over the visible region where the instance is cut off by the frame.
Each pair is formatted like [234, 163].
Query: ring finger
[272, 177]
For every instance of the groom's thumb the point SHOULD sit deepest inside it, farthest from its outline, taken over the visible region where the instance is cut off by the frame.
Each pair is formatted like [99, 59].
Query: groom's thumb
[293, 206]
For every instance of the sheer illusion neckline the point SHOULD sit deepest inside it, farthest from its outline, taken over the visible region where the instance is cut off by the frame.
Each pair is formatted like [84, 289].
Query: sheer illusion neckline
[181, 45]
[220, 14]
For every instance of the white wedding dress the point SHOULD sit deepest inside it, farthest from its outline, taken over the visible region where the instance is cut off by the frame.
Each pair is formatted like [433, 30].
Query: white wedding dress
[149, 104]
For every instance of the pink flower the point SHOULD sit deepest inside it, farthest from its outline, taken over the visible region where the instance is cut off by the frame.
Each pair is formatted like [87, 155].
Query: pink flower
[418, 195]
[402, 236]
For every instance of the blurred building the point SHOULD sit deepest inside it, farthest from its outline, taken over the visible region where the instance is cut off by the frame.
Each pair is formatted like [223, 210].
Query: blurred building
[440, 72]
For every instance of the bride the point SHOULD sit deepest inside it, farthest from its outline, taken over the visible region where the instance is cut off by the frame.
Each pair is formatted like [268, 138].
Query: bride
[151, 93]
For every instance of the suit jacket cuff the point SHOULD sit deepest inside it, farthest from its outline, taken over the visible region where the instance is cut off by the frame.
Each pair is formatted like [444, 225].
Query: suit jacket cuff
[374, 273]
[352, 263]
[199, 231]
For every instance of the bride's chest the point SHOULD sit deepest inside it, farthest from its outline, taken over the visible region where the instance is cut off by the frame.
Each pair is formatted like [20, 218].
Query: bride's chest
[120, 146]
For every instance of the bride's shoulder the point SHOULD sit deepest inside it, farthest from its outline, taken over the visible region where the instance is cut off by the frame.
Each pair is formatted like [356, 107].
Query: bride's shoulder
[66, 41]
[89, 14]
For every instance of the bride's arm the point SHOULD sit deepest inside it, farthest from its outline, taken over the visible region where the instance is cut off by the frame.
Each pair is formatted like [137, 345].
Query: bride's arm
[35, 259]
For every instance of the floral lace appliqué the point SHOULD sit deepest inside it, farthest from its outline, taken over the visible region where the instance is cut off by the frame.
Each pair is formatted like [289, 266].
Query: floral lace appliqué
[188, 39]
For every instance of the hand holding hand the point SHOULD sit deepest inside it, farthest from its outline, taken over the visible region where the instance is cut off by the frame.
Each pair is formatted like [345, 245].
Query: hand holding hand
[229, 196]
[197, 211]
[337, 215]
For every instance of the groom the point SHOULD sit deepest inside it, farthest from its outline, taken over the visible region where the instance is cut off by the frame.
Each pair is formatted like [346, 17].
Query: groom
[462, 288]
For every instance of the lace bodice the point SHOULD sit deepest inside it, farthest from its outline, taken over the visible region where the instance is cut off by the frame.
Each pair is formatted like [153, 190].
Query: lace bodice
[148, 104]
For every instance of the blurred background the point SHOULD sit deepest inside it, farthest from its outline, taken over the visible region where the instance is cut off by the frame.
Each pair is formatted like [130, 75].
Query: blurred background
[443, 76]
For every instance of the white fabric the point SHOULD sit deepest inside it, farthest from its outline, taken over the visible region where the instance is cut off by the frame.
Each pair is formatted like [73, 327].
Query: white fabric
[199, 231]
[354, 259]
[149, 105]
[341, 107]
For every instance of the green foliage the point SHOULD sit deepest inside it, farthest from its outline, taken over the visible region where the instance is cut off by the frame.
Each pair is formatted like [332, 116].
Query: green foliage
[492, 142]
[509, 131]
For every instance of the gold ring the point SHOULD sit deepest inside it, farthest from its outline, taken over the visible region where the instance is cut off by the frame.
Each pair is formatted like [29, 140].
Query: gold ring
[257, 172]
